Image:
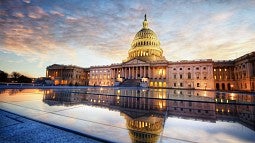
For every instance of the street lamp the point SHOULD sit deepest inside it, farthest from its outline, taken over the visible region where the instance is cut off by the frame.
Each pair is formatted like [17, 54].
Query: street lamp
[231, 86]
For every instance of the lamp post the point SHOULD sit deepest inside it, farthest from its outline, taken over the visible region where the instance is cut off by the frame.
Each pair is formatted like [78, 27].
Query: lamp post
[231, 86]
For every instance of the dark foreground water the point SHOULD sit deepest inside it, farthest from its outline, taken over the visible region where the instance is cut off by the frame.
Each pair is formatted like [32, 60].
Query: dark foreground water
[140, 115]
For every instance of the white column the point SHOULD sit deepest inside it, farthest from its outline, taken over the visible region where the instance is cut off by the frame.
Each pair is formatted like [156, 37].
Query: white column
[122, 72]
[129, 72]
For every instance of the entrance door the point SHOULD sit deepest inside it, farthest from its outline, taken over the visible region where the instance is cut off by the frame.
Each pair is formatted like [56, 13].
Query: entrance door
[217, 86]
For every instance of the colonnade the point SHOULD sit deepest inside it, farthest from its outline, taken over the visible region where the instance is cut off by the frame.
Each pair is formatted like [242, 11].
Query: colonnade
[137, 72]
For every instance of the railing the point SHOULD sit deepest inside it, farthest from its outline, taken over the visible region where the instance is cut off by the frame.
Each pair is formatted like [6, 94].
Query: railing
[19, 84]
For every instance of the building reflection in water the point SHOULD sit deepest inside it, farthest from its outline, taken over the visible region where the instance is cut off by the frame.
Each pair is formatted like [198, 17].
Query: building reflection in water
[145, 111]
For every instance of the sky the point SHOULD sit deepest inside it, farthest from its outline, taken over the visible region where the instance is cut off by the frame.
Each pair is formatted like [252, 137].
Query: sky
[37, 33]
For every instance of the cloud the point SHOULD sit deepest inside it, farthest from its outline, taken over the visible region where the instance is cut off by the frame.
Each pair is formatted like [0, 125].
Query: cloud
[36, 12]
[19, 15]
[46, 31]
[57, 13]
[26, 1]
[221, 17]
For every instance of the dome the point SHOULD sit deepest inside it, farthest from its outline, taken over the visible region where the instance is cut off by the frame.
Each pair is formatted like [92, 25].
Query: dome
[146, 45]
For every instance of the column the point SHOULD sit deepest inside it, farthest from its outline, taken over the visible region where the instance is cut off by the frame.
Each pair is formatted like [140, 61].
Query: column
[113, 73]
[133, 72]
[122, 72]
[140, 68]
[149, 71]
[144, 71]
[129, 72]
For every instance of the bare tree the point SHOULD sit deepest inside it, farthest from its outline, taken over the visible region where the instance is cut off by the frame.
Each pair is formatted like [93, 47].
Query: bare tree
[15, 76]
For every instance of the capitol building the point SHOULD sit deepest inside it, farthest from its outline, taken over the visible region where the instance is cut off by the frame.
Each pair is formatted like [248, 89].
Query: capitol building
[146, 66]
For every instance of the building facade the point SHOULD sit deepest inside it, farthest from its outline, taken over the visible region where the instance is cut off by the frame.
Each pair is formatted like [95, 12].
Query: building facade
[146, 66]
[66, 74]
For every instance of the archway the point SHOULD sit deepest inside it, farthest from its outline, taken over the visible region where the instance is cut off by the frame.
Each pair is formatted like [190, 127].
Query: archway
[223, 86]
[217, 86]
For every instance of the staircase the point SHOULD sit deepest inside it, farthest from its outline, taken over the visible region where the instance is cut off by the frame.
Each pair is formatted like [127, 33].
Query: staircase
[130, 83]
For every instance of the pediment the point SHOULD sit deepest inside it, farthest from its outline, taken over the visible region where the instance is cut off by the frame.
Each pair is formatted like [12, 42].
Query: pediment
[134, 61]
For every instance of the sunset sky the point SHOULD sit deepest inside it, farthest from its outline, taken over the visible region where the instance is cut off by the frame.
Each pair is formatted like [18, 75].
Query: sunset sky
[37, 33]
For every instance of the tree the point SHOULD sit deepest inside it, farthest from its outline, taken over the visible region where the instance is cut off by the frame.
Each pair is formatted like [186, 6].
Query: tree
[15, 76]
[3, 76]
[24, 79]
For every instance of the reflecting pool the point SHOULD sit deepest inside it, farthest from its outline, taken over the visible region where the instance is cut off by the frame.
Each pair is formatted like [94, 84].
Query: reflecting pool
[140, 115]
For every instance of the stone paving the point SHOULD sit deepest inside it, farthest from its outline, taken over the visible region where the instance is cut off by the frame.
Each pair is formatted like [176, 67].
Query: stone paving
[14, 128]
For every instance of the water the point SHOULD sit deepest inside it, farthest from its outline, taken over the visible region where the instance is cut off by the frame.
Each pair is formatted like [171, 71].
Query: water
[140, 115]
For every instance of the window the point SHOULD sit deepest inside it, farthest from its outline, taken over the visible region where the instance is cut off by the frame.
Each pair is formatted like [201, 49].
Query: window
[180, 76]
[180, 84]
[215, 77]
[174, 84]
[180, 69]
[204, 77]
[198, 85]
[174, 69]
[204, 68]
[174, 76]
[189, 75]
[197, 76]
[188, 68]
[197, 68]
[214, 69]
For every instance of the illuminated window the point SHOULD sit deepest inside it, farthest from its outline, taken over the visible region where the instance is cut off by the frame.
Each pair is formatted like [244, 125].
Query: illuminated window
[215, 77]
[214, 69]
[220, 76]
[220, 69]
[225, 69]
[198, 85]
